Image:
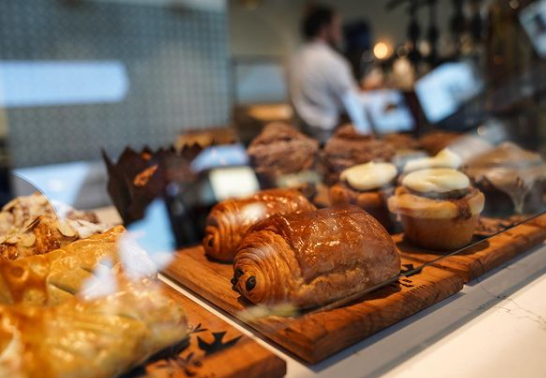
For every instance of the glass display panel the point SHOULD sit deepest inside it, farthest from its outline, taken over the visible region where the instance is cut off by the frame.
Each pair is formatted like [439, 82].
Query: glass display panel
[124, 170]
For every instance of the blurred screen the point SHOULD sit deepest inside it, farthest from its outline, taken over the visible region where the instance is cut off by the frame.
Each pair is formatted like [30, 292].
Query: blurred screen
[220, 156]
[259, 82]
[446, 88]
[388, 111]
[533, 20]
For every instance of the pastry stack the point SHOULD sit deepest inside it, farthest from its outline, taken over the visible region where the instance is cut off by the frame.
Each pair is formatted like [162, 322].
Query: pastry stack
[285, 251]
[90, 308]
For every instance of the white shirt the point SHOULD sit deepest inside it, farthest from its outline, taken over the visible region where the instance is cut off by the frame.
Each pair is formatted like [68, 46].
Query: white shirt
[322, 87]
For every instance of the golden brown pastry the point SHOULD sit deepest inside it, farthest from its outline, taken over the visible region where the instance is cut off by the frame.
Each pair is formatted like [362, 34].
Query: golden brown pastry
[23, 210]
[402, 141]
[438, 207]
[367, 186]
[32, 226]
[347, 148]
[229, 220]
[45, 234]
[281, 150]
[54, 277]
[84, 337]
[313, 259]
[436, 141]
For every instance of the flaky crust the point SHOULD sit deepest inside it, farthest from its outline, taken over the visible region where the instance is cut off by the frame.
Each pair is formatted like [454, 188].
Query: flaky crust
[436, 141]
[228, 221]
[347, 148]
[96, 338]
[374, 202]
[280, 149]
[54, 277]
[312, 259]
[44, 234]
[406, 203]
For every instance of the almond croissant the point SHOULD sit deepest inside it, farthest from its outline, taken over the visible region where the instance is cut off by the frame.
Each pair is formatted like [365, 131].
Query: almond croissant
[312, 259]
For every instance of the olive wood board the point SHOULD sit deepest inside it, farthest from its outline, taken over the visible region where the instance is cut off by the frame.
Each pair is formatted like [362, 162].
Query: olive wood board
[213, 349]
[315, 336]
[485, 256]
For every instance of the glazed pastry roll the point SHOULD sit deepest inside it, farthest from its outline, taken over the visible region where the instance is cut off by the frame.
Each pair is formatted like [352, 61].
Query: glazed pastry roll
[57, 276]
[228, 221]
[312, 259]
[101, 337]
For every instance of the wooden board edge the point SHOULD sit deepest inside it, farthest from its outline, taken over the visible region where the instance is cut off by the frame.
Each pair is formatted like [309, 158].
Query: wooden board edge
[265, 364]
[535, 234]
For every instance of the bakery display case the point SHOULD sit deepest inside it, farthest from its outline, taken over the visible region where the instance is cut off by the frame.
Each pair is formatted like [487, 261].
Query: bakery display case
[148, 229]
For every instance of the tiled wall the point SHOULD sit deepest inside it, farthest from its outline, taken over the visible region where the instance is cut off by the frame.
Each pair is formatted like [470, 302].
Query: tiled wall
[176, 60]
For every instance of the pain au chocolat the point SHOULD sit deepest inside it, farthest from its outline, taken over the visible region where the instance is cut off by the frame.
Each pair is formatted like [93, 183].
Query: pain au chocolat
[312, 259]
[228, 221]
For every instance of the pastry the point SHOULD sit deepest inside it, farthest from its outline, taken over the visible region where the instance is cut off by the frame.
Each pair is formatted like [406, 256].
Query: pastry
[89, 337]
[312, 259]
[32, 225]
[281, 150]
[52, 278]
[229, 220]
[44, 234]
[444, 159]
[465, 146]
[513, 179]
[347, 148]
[402, 142]
[19, 212]
[438, 208]
[436, 141]
[367, 186]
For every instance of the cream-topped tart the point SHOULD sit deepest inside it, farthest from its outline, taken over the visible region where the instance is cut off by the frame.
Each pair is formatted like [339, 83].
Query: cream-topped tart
[438, 207]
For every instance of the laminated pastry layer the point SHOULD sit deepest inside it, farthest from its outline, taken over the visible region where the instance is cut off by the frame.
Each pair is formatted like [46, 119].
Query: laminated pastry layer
[229, 221]
[315, 258]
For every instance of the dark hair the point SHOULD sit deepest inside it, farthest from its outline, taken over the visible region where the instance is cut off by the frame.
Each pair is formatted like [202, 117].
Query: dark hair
[315, 18]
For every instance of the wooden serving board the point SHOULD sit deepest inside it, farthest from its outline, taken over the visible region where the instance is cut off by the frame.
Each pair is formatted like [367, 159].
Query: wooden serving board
[485, 256]
[214, 349]
[316, 336]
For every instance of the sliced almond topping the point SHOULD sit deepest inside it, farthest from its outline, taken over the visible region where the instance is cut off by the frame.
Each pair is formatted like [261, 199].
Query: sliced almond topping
[66, 230]
[28, 240]
[13, 239]
[32, 223]
[11, 204]
[41, 199]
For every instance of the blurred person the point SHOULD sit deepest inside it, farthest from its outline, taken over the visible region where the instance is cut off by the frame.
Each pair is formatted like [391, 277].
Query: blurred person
[322, 86]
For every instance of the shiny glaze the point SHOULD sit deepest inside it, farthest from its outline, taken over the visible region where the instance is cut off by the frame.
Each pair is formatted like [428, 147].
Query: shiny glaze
[313, 258]
[229, 220]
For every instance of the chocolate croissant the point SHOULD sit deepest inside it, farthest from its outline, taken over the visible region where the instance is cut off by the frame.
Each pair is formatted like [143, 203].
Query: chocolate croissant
[312, 259]
[228, 221]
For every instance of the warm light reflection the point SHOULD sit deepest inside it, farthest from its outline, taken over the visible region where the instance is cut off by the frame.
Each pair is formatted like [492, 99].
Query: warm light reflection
[382, 50]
